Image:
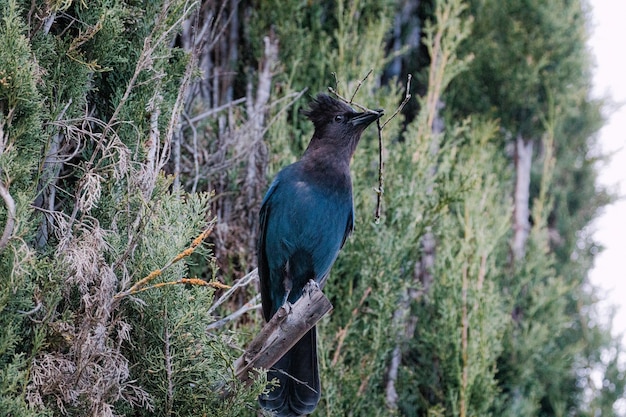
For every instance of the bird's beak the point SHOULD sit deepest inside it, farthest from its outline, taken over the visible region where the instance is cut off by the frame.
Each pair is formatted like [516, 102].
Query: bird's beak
[365, 118]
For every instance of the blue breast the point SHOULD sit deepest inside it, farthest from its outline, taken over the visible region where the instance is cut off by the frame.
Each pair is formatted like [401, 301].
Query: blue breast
[303, 226]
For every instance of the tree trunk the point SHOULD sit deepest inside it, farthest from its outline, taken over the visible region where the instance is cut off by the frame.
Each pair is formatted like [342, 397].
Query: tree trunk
[521, 210]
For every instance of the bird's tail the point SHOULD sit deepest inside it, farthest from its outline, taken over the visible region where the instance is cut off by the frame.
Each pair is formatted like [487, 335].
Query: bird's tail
[299, 380]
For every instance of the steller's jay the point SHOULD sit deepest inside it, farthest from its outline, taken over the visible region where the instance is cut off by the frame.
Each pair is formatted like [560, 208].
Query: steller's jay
[305, 218]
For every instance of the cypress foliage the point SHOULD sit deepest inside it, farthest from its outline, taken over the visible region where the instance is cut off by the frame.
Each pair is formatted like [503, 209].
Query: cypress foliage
[127, 128]
[95, 214]
[20, 133]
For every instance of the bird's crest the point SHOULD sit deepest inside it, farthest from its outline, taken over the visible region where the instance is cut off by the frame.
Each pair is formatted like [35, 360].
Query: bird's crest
[324, 107]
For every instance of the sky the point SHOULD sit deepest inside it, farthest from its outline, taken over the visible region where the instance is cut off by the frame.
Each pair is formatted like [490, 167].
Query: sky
[608, 34]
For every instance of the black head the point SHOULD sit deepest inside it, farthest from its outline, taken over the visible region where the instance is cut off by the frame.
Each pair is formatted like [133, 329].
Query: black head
[325, 110]
[336, 122]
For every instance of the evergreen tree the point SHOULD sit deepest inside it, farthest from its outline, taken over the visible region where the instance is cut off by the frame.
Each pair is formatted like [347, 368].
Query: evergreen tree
[128, 127]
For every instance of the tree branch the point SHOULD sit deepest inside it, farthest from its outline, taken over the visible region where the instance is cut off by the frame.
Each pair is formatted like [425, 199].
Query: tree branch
[242, 282]
[283, 331]
[250, 305]
[11, 214]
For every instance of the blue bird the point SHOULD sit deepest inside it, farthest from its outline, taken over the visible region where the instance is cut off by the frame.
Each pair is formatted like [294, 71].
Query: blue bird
[305, 218]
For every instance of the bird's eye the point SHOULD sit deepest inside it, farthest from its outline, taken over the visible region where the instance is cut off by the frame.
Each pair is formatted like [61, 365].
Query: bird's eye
[339, 118]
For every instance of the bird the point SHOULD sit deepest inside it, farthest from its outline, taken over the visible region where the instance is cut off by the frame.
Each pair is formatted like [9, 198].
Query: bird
[305, 218]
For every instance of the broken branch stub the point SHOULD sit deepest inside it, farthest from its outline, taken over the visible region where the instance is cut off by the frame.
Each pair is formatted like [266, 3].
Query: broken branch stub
[288, 325]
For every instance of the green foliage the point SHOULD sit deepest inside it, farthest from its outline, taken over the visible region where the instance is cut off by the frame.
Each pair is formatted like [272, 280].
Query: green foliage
[110, 219]
[531, 71]
[461, 324]
[20, 130]
[96, 102]
[344, 37]
[526, 54]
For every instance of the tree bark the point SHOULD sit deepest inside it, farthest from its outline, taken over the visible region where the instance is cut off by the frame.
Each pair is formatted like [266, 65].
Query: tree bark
[521, 211]
[281, 333]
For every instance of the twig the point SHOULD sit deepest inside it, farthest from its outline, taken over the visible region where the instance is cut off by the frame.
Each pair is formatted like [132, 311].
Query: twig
[196, 165]
[11, 215]
[251, 276]
[345, 100]
[336, 80]
[32, 311]
[138, 286]
[407, 97]
[216, 110]
[191, 281]
[380, 190]
[360, 83]
[250, 305]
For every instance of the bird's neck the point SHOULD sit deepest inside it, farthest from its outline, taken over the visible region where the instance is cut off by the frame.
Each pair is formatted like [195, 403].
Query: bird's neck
[330, 166]
[331, 150]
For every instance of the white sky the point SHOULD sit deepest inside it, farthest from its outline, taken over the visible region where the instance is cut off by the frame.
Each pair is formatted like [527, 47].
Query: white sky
[607, 44]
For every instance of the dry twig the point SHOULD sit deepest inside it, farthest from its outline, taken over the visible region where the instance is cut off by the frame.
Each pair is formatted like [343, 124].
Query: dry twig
[249, 306]
[11, 213]
[242, 282]
[379, 190]
[140, 285]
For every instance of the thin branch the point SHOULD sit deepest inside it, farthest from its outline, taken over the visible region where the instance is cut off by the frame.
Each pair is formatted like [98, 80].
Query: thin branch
[360, 83]
[380, 190]
[32, 311]
[381, 178]
[216, 35]
[139, 285]
[407, 97]
[345, 100]
[215, 110]
[250, 305]
[242, 282]
[296, 97]
[196, 164]
[187, 281]
[11, 215]
[336, 81]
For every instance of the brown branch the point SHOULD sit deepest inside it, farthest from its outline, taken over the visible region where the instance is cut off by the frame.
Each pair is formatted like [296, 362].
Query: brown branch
[189, 281]
[381, 178]
[360, 83]
[216, 110]
[345, 100]
[407, 97]
[282, 332]
[139, 285]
